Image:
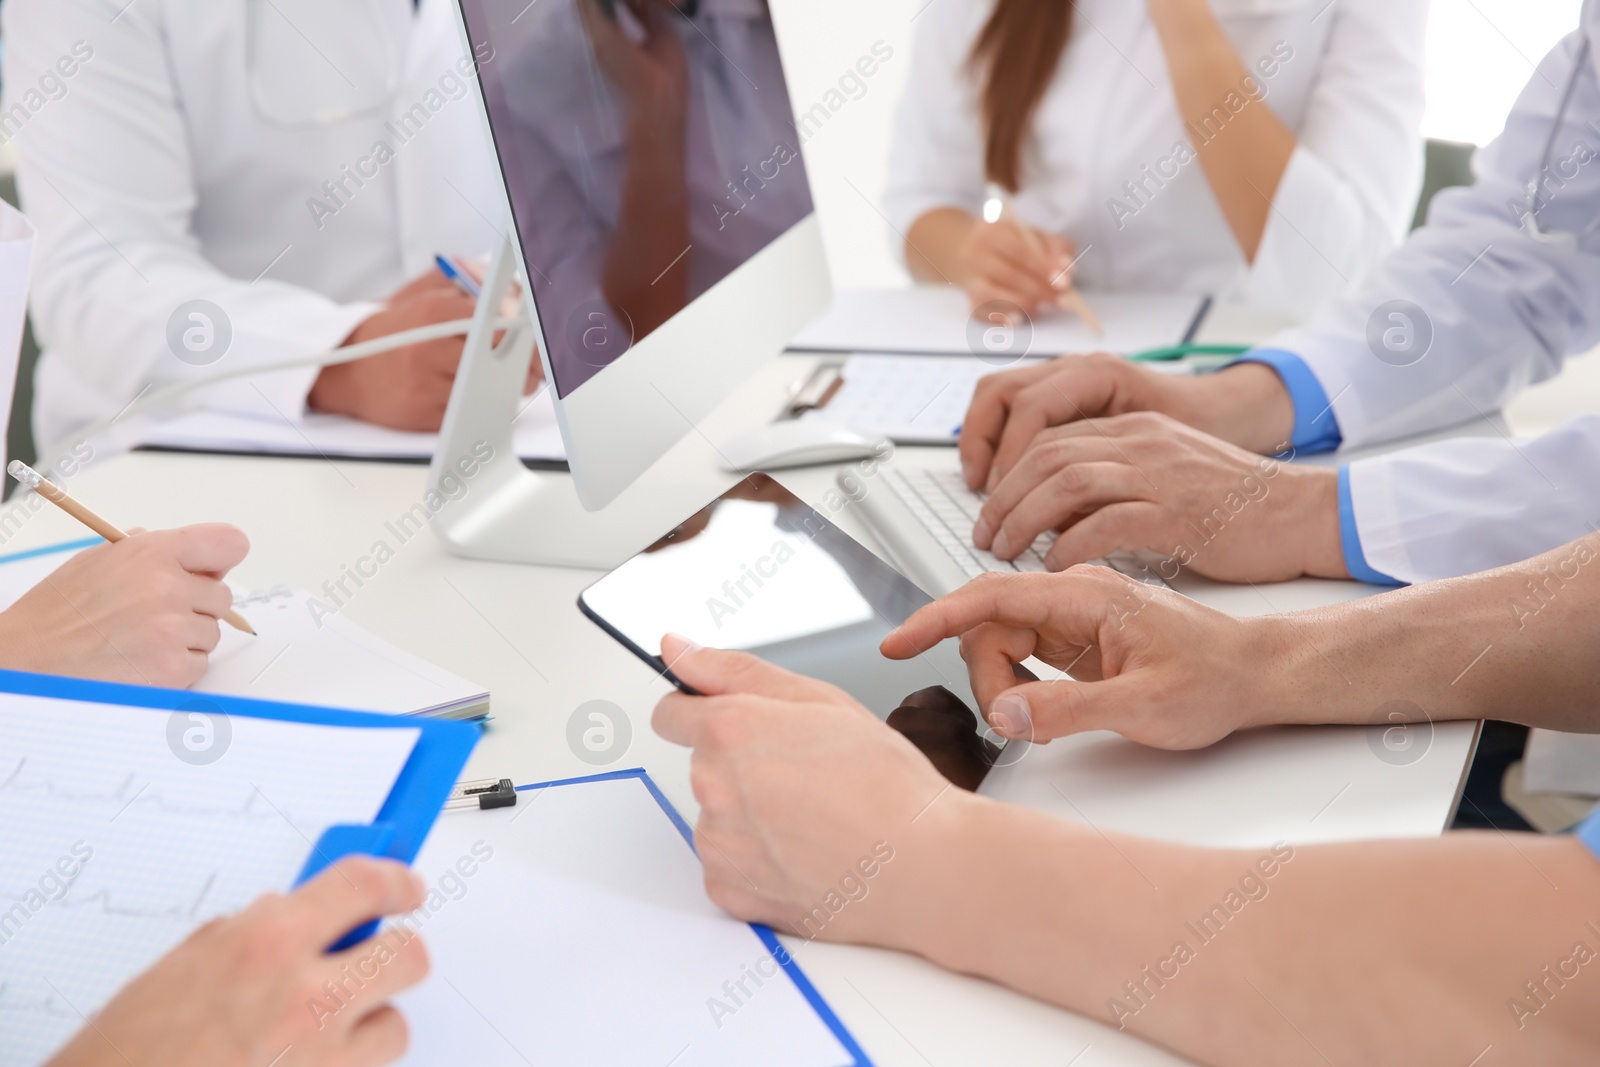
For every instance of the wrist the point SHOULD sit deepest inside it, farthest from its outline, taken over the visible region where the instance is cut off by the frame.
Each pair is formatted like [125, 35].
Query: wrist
[1311, 505]
[18, 643]
[1292, 659]
[935, 881]
[1246, 404]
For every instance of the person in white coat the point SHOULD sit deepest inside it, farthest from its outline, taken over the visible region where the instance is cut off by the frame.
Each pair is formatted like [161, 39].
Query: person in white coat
[219, 185]
[1493, 294]
[1265, 151]
[144, 610]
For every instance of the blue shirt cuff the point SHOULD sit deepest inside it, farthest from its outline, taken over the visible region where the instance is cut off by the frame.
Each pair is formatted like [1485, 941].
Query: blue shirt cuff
[1315, 427]
[1588, 832]
[1350, 539]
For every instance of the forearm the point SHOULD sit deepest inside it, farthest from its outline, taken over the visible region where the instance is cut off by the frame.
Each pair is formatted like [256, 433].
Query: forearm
[1382, 952]
[1244, 159]
[933, 245]
[1514, 643]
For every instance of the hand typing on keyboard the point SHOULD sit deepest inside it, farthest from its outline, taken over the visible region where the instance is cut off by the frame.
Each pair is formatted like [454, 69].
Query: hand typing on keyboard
[1146, 482]
[1246, 405]
[947, 509]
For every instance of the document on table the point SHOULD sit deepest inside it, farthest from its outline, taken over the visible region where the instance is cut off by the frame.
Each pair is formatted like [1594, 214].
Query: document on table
[937, 320]
[304, 652]
[1556, 762]
[916, 400]
[536, 434]
[116, 848]
[574, 928]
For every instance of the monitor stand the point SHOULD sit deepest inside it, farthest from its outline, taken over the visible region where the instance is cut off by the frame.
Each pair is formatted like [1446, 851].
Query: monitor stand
[503, 510]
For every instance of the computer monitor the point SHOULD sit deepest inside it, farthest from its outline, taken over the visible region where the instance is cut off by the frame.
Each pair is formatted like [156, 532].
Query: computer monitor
[662, 216]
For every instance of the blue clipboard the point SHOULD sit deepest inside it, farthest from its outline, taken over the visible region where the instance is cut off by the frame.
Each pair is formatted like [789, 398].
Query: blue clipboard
[402, 823]
[782, 956]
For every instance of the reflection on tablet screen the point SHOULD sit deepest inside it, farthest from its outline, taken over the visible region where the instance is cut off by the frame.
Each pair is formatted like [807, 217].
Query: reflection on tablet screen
[761, 571]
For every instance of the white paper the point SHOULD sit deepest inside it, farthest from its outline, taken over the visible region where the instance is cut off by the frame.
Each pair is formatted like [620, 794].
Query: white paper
[936, 319]
[912, 400]
[1557, 762]
[583, 935]
[156, 844]
[303, 654]
[536, 435]
[301, 657]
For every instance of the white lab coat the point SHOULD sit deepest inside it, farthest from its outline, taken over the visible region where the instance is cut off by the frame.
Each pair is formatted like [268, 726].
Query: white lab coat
[182, 159]
[1504, 310]
[1350, 89]
[16, 249]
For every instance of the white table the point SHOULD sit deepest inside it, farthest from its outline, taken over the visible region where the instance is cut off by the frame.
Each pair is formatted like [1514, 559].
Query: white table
[516, 629]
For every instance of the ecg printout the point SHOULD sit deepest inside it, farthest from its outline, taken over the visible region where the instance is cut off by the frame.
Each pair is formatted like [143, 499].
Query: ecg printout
[116, 841]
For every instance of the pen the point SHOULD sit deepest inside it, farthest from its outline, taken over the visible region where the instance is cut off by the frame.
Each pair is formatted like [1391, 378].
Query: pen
[1070, 298]
[59, 497]
[462, 279]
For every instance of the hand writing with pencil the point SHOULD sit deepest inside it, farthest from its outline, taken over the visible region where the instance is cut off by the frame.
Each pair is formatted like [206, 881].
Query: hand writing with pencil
[1005, 260]
[143, 610]
[144, 607]
[1009, 261]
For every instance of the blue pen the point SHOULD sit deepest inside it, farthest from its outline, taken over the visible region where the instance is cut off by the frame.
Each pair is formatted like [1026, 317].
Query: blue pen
[457, 275]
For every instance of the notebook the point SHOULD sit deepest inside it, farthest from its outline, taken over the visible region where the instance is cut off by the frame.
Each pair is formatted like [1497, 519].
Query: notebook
[574, 928]
[303, 652]
[122, 837]
[537, 437]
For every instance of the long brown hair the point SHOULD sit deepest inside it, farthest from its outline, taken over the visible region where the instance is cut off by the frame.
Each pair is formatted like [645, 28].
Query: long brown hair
[1016, 56]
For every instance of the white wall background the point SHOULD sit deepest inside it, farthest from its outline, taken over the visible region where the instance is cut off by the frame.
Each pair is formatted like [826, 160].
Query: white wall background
[1480, 53]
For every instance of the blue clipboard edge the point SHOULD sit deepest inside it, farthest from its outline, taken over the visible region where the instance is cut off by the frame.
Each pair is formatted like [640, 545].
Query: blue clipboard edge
[783, 956]
[413, 803]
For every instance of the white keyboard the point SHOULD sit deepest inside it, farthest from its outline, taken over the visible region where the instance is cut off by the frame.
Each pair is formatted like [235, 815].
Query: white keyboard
[941, 502]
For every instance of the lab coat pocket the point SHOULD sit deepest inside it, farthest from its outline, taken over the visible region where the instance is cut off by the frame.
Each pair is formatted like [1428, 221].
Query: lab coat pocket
[312, 63]
[1225, 9]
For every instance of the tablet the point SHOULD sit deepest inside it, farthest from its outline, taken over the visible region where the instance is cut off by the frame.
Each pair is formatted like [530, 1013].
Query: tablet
[760, 570]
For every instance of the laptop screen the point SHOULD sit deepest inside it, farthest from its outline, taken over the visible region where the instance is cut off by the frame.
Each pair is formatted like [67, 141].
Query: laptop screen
[648, 148]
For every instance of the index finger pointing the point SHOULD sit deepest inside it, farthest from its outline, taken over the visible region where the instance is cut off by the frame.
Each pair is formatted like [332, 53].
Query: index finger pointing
[1027, 601]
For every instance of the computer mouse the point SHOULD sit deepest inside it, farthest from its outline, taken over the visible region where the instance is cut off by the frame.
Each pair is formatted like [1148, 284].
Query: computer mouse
[796, 443]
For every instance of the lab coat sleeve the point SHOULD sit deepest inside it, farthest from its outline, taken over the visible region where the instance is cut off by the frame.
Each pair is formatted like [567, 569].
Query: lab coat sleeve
[1351, 185]
[936, 153]
[1471, 309]
[1315, 428]
[105, 173]
[1468, 504]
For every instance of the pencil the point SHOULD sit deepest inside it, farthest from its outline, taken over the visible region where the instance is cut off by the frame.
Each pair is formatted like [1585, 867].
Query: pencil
[61, 499]
[1070, 299]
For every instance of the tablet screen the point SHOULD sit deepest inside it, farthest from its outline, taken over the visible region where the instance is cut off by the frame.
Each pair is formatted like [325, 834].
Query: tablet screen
[760, 570]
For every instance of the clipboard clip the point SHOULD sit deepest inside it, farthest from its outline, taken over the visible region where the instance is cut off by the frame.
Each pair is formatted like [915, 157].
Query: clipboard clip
[816, 390]
[484, 793]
